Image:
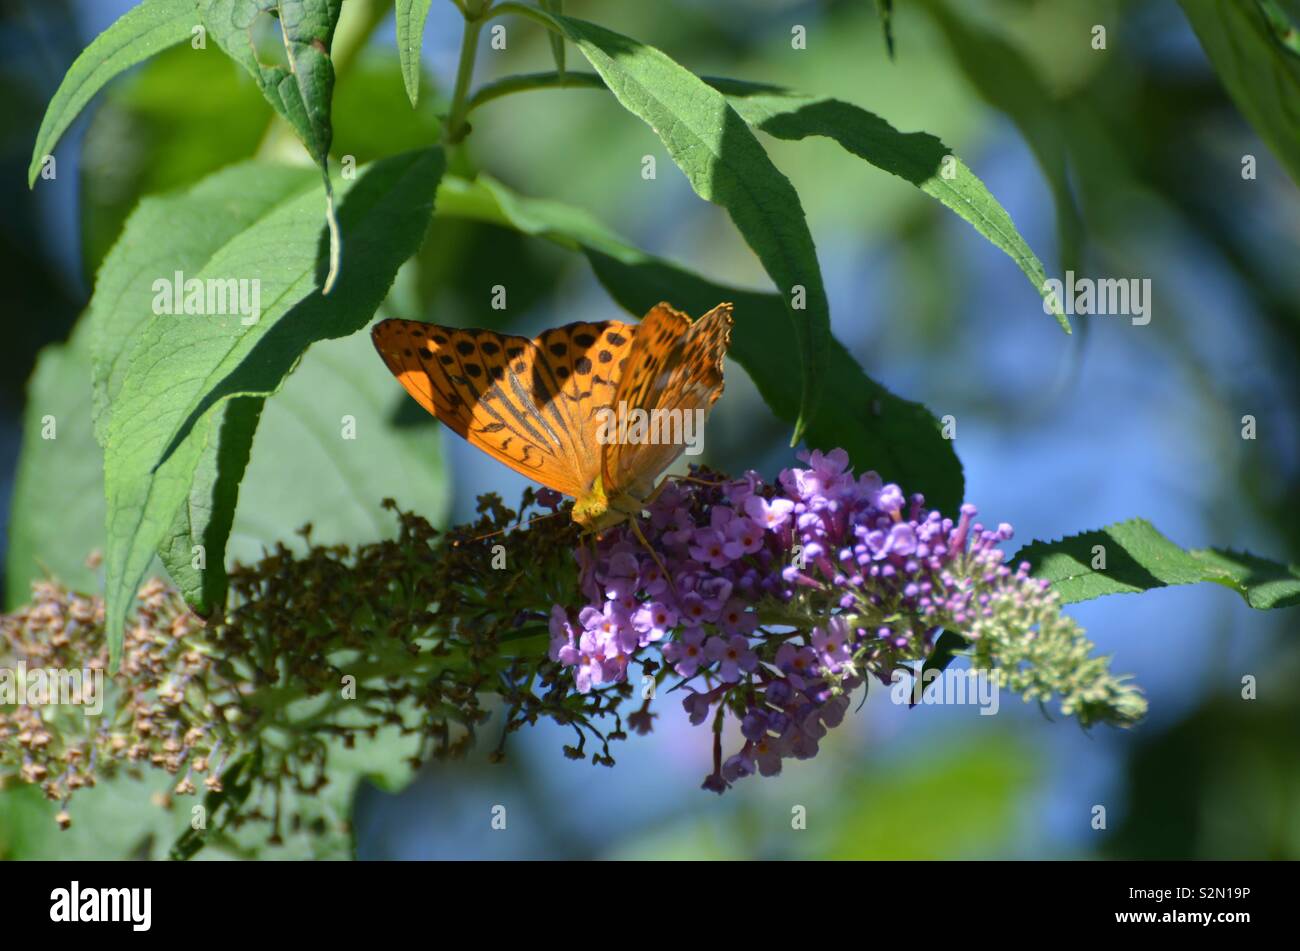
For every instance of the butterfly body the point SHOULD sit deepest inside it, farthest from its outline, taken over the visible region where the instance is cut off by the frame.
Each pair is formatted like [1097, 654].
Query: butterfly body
[542, 406]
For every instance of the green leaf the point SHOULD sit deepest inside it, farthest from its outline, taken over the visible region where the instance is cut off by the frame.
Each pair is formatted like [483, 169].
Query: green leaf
[411, 15]
[1139, 558]
[58, 502]
[896, 437]
[916, 157]
[297, 474]
[220, 806]
[301, 91]
[169, 379]
[157, 242]
[303, 470]
[946, 649]
[57, 511]
[193, 549]
[1005, 79]
[1248, 47]
[138, 34]
[726, 165]
[117, 819]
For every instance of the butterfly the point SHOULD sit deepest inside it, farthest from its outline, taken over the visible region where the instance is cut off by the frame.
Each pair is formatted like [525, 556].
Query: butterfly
[544, 406]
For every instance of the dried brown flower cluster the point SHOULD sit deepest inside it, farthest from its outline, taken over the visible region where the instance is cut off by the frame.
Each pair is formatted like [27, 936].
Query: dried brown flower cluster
[334, 643]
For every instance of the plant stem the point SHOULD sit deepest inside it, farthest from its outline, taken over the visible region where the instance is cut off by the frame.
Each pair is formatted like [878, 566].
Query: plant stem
[527, 81]
[457, 128]
[532, 13]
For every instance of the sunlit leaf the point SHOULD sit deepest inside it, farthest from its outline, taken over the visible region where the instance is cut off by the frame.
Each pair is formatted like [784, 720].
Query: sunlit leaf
[1132, 556]
[138, 34]
[168, 379]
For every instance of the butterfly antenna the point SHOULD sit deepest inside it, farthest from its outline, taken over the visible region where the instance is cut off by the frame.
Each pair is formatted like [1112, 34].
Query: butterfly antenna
[456, 542]
[685, 478]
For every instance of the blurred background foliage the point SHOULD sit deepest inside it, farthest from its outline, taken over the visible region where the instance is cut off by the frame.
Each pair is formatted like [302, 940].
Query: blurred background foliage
[1122, 162]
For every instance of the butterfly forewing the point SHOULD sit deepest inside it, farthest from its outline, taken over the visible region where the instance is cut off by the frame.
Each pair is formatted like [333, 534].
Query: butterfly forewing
[530, 404]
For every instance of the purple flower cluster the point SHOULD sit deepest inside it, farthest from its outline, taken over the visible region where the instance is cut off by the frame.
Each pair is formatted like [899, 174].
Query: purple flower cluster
[776, 601]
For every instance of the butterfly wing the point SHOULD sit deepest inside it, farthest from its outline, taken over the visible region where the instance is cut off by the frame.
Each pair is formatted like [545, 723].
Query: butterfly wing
[674, 365]
[529, 404]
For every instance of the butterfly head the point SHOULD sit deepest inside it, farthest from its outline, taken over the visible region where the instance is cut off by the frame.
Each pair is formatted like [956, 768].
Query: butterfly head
[595, 512]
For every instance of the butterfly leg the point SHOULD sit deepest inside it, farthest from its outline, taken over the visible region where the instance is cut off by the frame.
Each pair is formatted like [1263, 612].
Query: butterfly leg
[595, 552]
[636, 530]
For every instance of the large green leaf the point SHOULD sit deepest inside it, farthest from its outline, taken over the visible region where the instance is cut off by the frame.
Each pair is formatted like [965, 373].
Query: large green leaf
[881, 431]
[57, 511]
[111, 820]
[1243, 39]
[120, 818]
[154, 246]
[169, 380]
[1139, 558]
[302, 90]
[193, 547]
[411, 15]
[305, 469]
[726, 165]
[302, 469]
[322, 824]
[138, 34]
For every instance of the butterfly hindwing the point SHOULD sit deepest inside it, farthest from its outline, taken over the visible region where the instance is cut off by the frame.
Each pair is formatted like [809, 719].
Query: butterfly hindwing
[675, 366]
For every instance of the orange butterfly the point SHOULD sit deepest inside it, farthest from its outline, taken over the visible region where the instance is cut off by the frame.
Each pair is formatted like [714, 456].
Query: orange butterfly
[544, 407]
